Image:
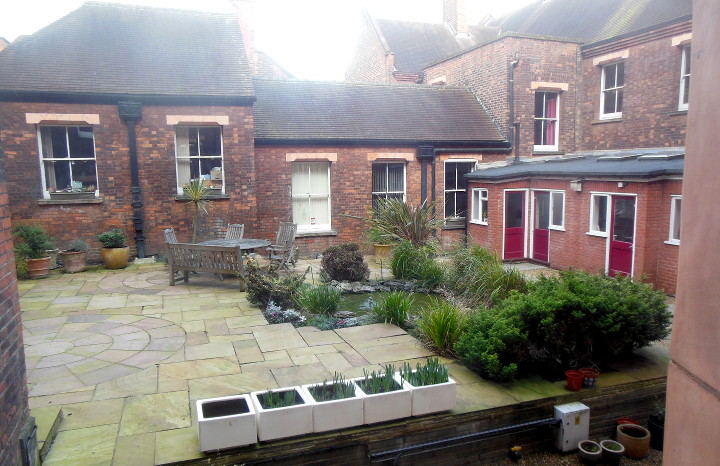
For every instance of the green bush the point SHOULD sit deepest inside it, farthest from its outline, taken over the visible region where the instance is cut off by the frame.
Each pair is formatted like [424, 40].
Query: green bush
[344, 262]
[34, 242]
[324, 299]
[416, 263]
[114, 238]
[265, 287]
[582, 318]
[478, 277]
[393, 308]
[494, 344]
[441, 324]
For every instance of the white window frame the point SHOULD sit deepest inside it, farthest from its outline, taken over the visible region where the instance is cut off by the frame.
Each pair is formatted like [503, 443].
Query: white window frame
[615, 88]
[675, 218]
[594, 214]
[386, 192]
[44, 159]
[561, 225]
[686, 54]
[546, 147]
[309, 228]
[178, 157]
[479, 197]
[455, 190]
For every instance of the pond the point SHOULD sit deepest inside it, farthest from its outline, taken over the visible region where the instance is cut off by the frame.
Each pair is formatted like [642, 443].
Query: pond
[358, 302]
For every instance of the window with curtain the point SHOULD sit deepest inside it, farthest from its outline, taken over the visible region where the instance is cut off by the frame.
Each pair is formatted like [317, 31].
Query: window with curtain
[685, 79]
[199, 155]
[456, 189]
[611, 95]
[599, 214]
[546, 121]
[479, 206]
[311, 195]
[388, 181]
[68, 159]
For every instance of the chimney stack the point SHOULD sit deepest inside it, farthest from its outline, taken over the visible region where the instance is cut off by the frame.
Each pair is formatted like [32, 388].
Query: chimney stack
[454, 15]
[244, 11]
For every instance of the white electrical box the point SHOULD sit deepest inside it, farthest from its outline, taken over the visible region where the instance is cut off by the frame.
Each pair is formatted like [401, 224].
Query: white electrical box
[574, 425]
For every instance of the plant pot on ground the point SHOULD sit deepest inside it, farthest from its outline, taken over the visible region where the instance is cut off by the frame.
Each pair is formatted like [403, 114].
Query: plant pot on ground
[635, 439]
[74, 258]
[32, 248]
[612, 451]
[432, 389]
[336, 405]
[590, 376]
[656, 426]
[282, 412]
[385, 398]
[226, 422]
[115, 253]
[574, 380]
[590, 452]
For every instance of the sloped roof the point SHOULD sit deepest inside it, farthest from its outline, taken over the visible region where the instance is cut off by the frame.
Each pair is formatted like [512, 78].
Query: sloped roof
[416, 45]
[592, 21]
[315, 111]
[105, 48]
[627, 163]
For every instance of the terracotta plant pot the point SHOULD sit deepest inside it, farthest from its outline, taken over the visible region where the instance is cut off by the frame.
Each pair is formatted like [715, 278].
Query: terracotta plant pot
[612, 451]
[657, 432]
[115, 258]
[589, 376]
[73, 261]
[38, 268]
[635, 439]
[574, 380]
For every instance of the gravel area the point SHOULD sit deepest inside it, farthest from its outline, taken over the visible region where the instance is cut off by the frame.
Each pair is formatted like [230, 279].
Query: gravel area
[653, 457]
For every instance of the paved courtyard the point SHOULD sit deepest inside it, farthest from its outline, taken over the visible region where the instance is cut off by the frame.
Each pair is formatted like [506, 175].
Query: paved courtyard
[125, 356]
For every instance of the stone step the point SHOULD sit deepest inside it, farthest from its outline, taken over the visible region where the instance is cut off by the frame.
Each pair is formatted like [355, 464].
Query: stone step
[48, 420]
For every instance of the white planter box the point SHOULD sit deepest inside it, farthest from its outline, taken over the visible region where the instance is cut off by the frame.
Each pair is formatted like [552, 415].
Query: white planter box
[283, 422]
[383, 407]
[226, 422]
[336, 414]
[428, 399]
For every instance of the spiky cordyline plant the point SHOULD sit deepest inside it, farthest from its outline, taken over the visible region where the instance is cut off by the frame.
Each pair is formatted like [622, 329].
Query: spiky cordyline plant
[196, 193]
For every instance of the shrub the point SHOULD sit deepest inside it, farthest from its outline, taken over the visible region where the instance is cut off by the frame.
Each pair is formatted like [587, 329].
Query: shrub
[345, 262]
[262, 288]
[34, 243]
[324, 299]
[274, 314]
[21, 267]
[441, 324]
[393, 308]
[395, 220]
[416, 263]
[114, 238]
[494, 344]
[77, 245]
[581, 318]
[478, 277]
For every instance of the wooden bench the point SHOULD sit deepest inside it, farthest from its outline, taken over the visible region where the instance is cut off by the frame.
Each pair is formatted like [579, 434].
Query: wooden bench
[187, 257]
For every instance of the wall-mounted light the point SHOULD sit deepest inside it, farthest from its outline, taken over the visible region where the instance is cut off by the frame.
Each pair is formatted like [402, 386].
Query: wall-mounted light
[576, 185]
[621, 184]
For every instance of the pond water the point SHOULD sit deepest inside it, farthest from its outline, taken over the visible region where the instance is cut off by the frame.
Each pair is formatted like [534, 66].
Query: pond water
[358, 302]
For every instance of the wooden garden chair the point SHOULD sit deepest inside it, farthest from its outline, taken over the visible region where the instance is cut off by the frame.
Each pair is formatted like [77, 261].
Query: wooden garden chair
[281, 252]
[235, 231]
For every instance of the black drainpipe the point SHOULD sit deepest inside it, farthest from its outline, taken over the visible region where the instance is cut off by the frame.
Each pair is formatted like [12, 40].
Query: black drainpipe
[511, 103]
[131, 113]
[425, 154]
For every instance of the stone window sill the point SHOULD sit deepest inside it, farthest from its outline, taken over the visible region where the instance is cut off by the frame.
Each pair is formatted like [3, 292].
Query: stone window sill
[69, 200]
[208, 196]
[679, 112]
[609, 120]
[310, 234]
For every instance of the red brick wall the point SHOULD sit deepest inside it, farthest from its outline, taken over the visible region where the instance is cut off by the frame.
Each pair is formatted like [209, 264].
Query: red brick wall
[156, 159]
[485, 71]
[13, 385]
[369, 62]
[574, 247]
[650, 96]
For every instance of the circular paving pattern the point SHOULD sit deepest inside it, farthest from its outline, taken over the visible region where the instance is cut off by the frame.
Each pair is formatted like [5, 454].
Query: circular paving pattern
[156, 282]
[71, 352]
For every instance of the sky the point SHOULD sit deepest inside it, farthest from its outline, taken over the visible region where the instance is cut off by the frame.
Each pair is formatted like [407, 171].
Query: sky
[313, 39]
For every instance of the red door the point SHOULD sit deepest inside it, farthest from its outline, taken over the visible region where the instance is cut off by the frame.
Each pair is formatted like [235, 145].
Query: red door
[541, 227]
[514, 225]
[622, 235]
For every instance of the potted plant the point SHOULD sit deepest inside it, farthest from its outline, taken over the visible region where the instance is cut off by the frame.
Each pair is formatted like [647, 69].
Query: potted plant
[33, 248]
[385, 398]
[282, 412]
[574, 380]
[635, 439]
[590, 452]
[612, 451]
[590, 376]
[115, 254]
[75, 191]
[337, 404]
[656, 426]
[432, 389]
[382, 245]
[74, 257]
[226, 422]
